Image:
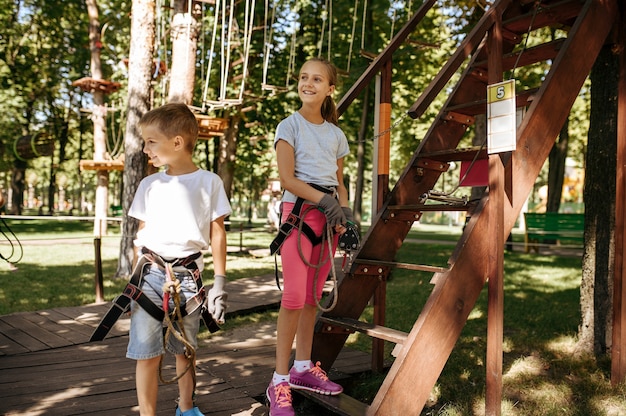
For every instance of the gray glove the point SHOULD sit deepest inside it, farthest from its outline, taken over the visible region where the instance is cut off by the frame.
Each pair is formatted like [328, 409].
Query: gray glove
[348, 214]
[217, 297]
[331, 208]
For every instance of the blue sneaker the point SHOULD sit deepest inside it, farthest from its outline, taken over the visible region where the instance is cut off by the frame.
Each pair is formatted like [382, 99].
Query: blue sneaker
[191, 412]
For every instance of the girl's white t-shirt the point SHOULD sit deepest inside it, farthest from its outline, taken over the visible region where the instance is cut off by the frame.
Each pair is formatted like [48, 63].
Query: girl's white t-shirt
[178, 211]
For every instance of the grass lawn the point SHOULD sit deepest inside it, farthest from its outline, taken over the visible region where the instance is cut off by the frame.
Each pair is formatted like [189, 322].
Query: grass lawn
[543, 374]
[57, 263]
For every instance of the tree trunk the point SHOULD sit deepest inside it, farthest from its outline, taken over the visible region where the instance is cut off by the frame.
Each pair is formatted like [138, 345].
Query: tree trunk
[98, 116]
[184, 34]
[18, 180]
[227, 152]
[599, 197]
[556, 169]
[139, 92]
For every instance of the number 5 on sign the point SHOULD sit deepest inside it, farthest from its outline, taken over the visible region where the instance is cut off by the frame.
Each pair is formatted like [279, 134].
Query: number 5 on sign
[501, 120]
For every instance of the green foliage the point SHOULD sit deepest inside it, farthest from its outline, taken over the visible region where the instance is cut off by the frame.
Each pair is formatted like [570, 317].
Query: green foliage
[44, 46]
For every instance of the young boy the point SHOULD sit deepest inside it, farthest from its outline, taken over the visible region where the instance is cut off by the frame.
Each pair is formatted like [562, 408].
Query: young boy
[181, 212]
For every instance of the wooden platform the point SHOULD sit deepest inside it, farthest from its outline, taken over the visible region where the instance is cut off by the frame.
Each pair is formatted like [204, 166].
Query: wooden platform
[47, 367]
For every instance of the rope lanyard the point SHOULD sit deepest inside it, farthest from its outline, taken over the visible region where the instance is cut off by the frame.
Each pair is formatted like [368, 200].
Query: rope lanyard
[327, 237]
[178, 333]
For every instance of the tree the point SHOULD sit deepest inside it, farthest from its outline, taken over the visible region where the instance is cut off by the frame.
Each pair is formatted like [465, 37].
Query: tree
[98, 116]
[140, 70]
[599, 196]
[41, 49]
[184, 30]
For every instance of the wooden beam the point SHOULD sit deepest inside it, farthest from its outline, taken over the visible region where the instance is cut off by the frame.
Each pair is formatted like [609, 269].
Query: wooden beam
[545, 15]
[495, 235]
[539, 53]
[101, 164]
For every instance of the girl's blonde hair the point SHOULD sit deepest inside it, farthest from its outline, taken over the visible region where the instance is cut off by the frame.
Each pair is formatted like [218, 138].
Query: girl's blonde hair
[329, 109]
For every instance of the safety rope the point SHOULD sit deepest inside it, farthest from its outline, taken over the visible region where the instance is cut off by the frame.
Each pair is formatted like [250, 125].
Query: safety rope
[179, 334]
[536, 7]
[327, 237]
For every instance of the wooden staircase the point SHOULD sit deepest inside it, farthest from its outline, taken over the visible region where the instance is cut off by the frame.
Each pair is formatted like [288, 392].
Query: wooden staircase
[489, 50]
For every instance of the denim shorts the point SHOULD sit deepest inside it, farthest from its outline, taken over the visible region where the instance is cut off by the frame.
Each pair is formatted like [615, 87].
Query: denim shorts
[146, 333]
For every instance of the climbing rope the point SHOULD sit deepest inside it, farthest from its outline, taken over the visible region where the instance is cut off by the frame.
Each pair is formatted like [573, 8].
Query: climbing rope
[327, 238]
[14, 244]
[178, 333]
[536, 7]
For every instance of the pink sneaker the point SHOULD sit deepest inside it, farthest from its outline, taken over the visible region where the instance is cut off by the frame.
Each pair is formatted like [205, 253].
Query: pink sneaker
[315, 380]
[279, 397]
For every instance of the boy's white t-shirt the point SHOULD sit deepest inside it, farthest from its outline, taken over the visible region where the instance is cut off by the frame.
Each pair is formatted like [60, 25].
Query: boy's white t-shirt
[178, 211]
[317, 147]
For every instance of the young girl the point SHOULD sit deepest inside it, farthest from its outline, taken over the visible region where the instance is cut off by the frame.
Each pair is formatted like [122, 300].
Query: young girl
[310, 148]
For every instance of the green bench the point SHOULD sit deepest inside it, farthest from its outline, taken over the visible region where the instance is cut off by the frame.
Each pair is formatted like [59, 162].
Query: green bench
[553, 226]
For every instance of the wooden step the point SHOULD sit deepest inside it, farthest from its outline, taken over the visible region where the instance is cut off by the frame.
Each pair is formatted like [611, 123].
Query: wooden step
[341, 404]
[522, 98]
[335, 324]
[562, 12]
[458, 155]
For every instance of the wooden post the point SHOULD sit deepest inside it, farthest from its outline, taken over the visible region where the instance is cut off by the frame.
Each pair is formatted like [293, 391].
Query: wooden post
[241, 237]
[99, 280]
[495, 306]
[380, 295]
[618, 357]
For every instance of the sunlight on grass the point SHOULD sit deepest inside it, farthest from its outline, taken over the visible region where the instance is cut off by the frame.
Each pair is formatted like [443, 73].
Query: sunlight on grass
[609, 405]
[60, 273]
[564, 344]
[476, 314]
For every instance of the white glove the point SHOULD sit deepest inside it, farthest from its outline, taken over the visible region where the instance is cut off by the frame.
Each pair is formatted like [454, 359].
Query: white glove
[217, 297]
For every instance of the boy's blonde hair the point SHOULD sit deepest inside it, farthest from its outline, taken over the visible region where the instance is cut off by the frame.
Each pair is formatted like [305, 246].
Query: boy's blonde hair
[174, 119]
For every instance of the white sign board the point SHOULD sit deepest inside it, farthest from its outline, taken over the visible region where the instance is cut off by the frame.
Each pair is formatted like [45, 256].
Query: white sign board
[501, 118]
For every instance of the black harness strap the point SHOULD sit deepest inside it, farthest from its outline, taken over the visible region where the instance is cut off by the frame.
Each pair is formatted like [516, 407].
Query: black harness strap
[133, 291]
[293, 221]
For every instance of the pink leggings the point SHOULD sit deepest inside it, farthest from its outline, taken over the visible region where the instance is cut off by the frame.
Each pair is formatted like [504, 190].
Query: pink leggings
[298, 277]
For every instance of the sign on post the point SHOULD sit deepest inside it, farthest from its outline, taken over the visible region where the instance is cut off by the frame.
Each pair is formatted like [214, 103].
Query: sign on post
[501, 118]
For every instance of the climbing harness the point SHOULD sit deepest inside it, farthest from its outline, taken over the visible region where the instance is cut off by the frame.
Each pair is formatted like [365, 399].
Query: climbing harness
[348, 242]
[133, 291]
[294, 220]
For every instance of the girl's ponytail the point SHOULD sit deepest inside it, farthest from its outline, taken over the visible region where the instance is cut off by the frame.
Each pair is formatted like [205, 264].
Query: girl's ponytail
[329, 110]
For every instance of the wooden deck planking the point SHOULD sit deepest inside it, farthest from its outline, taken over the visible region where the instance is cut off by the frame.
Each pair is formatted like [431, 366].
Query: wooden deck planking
[19, 337]
[47, 367]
